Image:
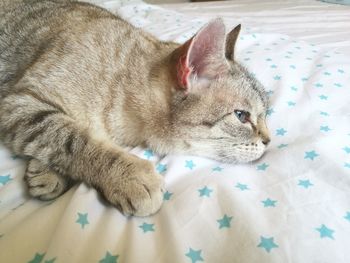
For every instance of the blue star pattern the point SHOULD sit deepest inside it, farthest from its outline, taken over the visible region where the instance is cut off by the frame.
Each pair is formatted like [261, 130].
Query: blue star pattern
[37, 258]
[323, 97]
[269, 111]
[347, 216]
[147, 227]
[161, 168]
[50, 260]
[268, 202]
[194, 255]
[217, 169]
[205, 191]
[311, 155]
[305, 183]
[291, 103]
[281, 132]
[225, 222]
[269, 93]
[82, 219]
[282, 145]
[167, 195]
[109, 258]
[190, 164]
[267, 243]
[325, 232]
[242, 186]
[262, 167]
[4, 179]
[213, 199]
[346, 149]
[148, 154]
[325, 128]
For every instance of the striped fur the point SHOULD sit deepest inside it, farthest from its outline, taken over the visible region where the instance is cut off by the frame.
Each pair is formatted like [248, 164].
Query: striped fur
[77, 83]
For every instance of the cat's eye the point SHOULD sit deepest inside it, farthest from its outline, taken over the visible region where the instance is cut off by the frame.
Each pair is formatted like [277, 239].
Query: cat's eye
[242, 115]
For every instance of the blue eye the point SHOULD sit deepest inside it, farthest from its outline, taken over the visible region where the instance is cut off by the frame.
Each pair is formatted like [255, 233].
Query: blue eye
[243, 116]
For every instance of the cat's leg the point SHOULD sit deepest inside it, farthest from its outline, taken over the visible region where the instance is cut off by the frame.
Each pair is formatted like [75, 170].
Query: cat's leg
[44, 183]
[34, 126]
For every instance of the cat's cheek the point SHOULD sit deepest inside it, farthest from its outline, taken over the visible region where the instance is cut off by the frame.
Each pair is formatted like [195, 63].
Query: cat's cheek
[249, 154]
[259, 151]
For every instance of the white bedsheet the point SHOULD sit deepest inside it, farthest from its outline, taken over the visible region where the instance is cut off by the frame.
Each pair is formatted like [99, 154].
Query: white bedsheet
[320, 23]
[293, 205]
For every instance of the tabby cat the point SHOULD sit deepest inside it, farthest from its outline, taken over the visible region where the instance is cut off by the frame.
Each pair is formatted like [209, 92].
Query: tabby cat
[78, 83]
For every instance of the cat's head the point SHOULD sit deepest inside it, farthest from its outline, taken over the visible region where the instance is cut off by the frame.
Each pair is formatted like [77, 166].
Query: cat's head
[219, 108]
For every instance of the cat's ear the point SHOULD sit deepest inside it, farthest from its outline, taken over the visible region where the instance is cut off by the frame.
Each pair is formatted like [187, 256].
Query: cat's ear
[202, 57]
[231, 42]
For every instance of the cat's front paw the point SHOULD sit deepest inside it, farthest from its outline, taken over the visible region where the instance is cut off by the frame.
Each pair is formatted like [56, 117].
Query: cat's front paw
[43, 183]
[138, 190]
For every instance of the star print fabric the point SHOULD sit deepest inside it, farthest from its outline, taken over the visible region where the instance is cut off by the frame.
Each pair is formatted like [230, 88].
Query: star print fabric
[292, 205]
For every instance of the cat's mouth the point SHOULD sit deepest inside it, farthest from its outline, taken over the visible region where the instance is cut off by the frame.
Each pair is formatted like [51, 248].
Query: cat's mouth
[241, 153]
[226, 151]
[261, 156]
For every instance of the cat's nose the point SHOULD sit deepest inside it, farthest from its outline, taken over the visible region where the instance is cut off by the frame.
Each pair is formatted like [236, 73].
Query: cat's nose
[264, 137]
[266, 141]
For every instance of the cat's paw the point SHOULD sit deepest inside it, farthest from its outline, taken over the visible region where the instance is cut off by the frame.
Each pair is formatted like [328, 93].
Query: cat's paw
[138, 191]
[43, 183]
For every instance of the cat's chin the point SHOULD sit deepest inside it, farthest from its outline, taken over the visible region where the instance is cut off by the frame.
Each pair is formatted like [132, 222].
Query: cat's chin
[250, 159]
[239, 159]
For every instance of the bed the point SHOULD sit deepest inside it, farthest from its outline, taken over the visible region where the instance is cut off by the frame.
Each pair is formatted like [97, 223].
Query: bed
[292, 205]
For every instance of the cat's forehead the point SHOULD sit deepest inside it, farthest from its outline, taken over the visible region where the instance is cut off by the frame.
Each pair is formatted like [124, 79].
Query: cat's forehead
[243, 91]
[253, 92]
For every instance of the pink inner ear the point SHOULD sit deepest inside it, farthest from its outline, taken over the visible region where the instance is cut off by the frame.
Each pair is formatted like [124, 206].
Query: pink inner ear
[183, 71]
[183, 68]
[203, 55]
[207, 48]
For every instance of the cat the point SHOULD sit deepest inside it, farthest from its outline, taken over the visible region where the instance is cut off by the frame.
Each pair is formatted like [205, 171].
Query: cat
[78, 83]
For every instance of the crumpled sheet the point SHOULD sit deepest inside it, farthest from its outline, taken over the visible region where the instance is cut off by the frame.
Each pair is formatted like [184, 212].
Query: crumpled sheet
[292, 205]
